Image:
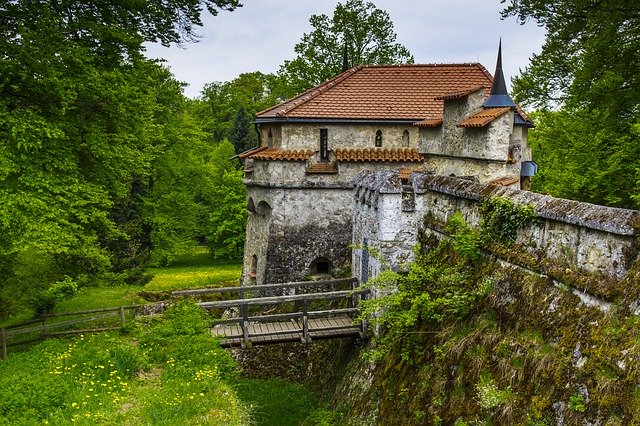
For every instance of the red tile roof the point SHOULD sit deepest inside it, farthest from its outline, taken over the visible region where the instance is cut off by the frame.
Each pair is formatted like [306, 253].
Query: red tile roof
[484, 117]
[251, 152]
[322, 168]
[506, 181]
[384, 92]
[400, 155]
[282, 154]
[429, 122]
[460, 94]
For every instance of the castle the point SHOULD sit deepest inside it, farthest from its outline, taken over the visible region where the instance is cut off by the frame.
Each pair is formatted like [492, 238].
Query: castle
[441, 119]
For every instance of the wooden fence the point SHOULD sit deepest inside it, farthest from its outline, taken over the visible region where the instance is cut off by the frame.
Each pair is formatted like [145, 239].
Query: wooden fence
[55, 325]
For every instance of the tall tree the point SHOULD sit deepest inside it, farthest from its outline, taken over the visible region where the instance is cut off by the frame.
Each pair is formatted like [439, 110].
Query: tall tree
[242, 136]
[365, 30]
[589, 73]
[82, 118]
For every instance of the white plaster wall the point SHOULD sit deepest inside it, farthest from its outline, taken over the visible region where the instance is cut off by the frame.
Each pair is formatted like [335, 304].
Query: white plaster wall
[292, 172]
[307, 136]
[484, 171]
[488, 142]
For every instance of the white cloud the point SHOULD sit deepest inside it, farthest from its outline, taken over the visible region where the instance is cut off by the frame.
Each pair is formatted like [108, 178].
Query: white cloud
[260, 36]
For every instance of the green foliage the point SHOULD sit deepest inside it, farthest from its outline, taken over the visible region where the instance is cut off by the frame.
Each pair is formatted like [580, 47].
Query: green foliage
[577, 403]
[466, 240]
[46, 300]
[218, 111]
[98, 154]
[439, 287]
[243, 136]
[225, 221]
[367, 33]
[582, 157]
[585, 83]
[489, 396]
[502, 219]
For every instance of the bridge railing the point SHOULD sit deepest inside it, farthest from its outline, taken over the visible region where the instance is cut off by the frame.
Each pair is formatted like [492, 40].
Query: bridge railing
[243, 290]
[353, 297]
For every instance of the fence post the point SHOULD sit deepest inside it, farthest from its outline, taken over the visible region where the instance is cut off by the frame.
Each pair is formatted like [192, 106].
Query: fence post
[122, 317]
[245, 326]
[305, 321]
[43, 327]
[3, 337]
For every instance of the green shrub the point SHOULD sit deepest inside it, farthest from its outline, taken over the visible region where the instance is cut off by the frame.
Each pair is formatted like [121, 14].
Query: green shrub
[45, 301]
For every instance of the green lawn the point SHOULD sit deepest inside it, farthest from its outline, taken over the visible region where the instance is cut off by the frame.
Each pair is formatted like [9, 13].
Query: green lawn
[193, 270]
[157, 390]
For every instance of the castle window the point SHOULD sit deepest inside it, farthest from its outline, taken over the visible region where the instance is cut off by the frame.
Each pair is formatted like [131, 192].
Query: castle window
[379, 137]
[253, 272]
[405, 138]
[251, 206]
[324, 145]
[263, 208]
[270, 139]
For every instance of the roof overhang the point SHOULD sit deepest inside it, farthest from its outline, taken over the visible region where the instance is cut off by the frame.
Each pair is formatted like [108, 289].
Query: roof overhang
[286, 120]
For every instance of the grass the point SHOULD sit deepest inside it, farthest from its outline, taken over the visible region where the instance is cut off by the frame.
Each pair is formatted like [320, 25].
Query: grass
[163, 372]
[195, 269]
[275, 402]
[167, 371]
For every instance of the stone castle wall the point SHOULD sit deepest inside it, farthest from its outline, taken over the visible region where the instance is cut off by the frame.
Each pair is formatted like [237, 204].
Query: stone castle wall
[591, 238]
[303, 225]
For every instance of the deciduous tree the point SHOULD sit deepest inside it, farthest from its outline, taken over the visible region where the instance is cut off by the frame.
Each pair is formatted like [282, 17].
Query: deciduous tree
[366, 31]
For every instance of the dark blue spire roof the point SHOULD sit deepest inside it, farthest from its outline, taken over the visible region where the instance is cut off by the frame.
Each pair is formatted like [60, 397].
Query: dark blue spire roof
[499, 96]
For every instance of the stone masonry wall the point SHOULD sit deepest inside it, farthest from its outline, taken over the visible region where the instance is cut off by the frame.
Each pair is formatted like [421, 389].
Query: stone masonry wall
[304, 224]
[592, 238]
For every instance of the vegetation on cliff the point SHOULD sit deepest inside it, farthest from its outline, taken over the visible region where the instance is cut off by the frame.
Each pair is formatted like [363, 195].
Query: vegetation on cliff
[465, 340]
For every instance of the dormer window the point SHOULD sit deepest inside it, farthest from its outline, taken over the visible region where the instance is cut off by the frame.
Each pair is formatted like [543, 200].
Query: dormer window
[270, 139]
[378, 138]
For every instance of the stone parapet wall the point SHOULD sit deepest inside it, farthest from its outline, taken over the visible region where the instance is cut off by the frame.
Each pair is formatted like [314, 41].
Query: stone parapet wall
[591, 238]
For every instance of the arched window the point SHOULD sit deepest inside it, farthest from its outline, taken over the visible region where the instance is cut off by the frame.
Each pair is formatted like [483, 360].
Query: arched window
[251, 206]
[263, 209]
[320, 266]
[378, 137]
[405, 138]
[270, 139]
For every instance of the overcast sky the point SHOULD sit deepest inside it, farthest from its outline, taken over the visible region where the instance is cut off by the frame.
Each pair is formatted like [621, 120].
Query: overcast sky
[261, 35]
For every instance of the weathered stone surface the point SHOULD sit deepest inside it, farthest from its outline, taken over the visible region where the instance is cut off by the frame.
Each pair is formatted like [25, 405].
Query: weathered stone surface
[592, 238]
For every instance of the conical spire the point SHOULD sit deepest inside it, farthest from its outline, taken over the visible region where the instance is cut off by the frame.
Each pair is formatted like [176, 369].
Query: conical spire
[345, 57]
[499, 96]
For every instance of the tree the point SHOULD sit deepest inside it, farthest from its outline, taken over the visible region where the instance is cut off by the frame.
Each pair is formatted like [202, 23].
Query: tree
[242, 136]
[221, 102]
[83, 116]
[225, 220]
[366, 31]
[589, 73]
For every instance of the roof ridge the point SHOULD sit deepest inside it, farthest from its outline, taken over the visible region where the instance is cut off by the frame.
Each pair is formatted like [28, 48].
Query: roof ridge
[314, 91]
[434, 64]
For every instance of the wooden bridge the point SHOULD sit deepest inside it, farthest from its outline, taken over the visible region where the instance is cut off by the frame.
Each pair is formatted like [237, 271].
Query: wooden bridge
[319, 312]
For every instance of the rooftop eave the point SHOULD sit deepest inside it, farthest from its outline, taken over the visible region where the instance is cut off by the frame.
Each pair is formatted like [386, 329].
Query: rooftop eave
[282, 120]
